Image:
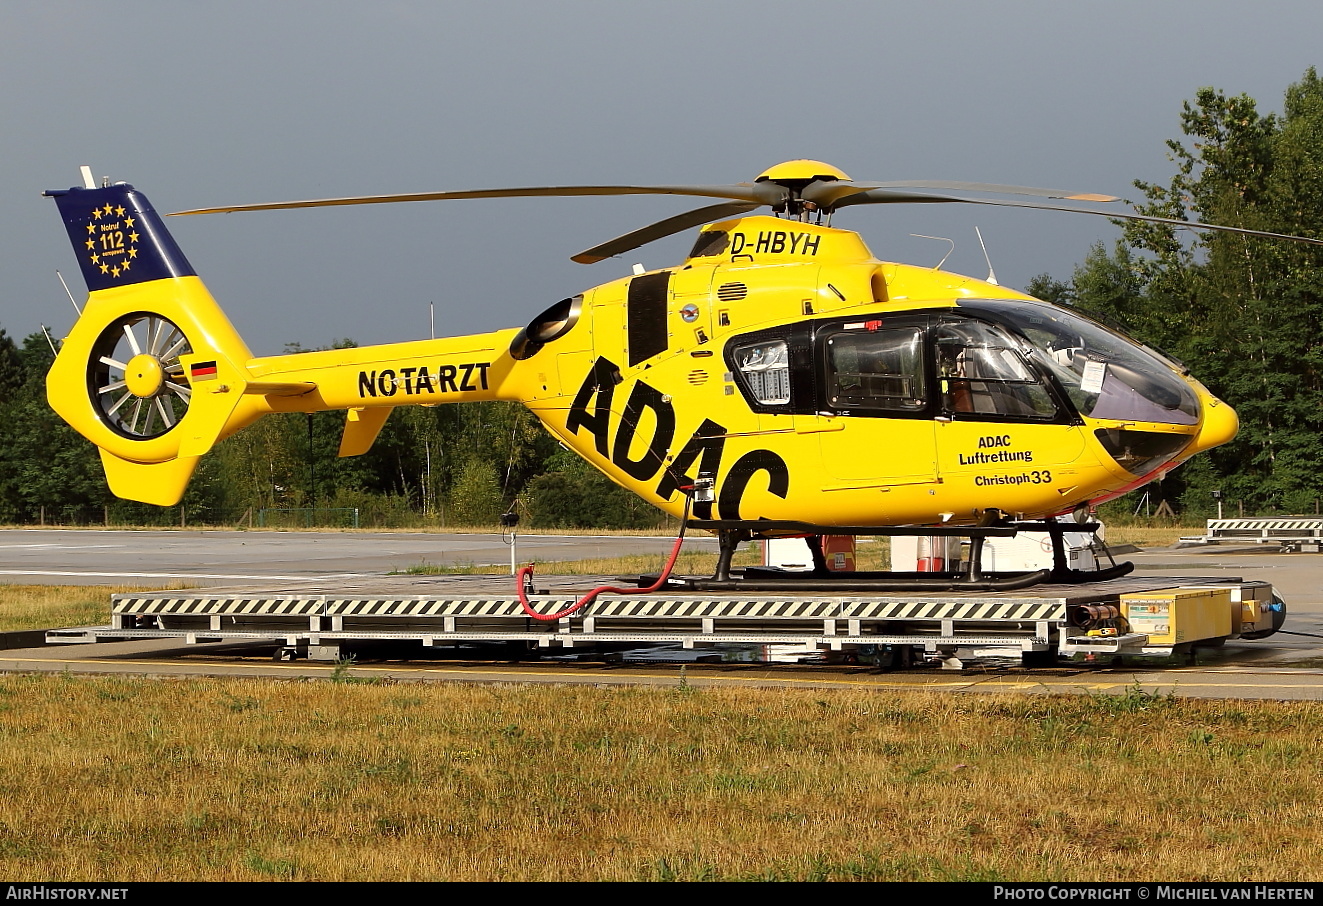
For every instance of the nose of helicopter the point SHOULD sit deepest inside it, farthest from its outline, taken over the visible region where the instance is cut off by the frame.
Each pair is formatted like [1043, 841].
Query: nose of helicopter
[1218, 424]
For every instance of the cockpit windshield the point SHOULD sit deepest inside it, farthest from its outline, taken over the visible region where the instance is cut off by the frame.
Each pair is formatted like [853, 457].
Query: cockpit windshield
[1105, 375]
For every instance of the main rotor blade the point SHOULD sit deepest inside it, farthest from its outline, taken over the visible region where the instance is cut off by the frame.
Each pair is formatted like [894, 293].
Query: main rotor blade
[662, 229]
[756, 194]
[830, 194]
[887, 196]
[996, 187]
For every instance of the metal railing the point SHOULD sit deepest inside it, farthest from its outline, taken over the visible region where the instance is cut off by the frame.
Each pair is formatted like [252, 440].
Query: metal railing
[307, 517]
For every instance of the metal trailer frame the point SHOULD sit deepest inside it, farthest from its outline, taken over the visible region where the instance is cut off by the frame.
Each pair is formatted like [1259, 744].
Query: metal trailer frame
[446, 611]
[1293, 533]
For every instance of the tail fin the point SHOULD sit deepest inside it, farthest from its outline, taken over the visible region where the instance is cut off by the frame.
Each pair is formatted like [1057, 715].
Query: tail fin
[153, 372]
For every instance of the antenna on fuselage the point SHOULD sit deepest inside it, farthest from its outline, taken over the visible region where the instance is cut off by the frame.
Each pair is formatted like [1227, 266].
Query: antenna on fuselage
[938, 267]
[69, 294]
[992, 277]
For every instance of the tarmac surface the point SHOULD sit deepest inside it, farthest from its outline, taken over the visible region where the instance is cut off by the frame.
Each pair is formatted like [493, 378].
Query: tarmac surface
[199, 558]
[1287, 666]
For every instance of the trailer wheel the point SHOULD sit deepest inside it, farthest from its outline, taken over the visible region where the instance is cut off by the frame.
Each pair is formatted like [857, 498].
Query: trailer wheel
[1031, 659]
[893, 657]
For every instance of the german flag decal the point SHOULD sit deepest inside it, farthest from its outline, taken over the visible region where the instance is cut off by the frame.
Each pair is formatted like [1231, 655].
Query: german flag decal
[202, 371]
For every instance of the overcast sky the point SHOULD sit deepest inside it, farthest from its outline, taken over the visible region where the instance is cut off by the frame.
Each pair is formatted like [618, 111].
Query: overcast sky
[201, 104]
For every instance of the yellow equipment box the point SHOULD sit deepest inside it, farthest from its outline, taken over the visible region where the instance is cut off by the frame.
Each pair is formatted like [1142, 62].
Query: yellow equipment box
[1179, 615]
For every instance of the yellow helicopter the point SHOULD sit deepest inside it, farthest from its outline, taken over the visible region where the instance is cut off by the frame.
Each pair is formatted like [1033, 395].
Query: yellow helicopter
[781, 379]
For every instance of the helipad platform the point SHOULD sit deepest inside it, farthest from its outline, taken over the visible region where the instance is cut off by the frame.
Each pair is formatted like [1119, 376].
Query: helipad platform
[318, 618]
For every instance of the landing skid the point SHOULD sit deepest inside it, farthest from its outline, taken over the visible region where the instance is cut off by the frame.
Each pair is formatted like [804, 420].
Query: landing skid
[731, 533]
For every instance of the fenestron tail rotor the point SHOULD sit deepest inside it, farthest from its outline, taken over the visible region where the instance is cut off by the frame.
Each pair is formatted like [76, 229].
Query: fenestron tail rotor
[135, 376]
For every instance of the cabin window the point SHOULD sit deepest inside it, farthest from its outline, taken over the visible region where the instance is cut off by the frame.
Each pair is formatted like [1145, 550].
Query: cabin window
[764, 369]
[983, 373]
[879, 370]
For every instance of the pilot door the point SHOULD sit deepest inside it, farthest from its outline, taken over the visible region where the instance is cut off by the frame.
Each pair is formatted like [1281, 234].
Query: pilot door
[1003, 426]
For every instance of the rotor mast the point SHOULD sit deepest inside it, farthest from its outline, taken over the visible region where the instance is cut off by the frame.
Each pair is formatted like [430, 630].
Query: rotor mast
[794, 177]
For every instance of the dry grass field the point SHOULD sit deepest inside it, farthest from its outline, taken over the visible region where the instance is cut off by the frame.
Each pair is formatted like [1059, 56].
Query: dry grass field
[140, 779]
[149, 779]
[56, 606]
[1150, 536]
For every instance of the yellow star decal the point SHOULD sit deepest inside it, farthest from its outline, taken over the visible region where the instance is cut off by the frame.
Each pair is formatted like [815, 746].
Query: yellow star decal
[96, 214]
[105, 268]
[128, 222]
[119, 211]
[108, 209]
[91, 244]
[133, 253]
[96, 259]
[133, 237]
[114, 271]
[124, 266]
[91, 228]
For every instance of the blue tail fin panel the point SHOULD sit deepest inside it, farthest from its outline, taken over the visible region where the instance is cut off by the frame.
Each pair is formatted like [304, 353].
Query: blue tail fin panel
[118, 237]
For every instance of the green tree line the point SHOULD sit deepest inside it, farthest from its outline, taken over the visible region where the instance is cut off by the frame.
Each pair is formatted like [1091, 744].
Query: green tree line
[1244, 314]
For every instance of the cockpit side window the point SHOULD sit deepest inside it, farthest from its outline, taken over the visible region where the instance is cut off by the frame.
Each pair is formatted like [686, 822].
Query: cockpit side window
[876, 371]
[983, 373]
[773, 369]
[764, 368]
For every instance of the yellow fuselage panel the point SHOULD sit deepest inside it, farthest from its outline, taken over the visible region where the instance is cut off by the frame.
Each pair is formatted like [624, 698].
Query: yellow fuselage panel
[655, 426]
[772, 240]
[842, 471]
[920, 287]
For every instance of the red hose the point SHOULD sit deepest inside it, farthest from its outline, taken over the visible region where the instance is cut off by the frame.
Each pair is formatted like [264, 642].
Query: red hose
[601, 589]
